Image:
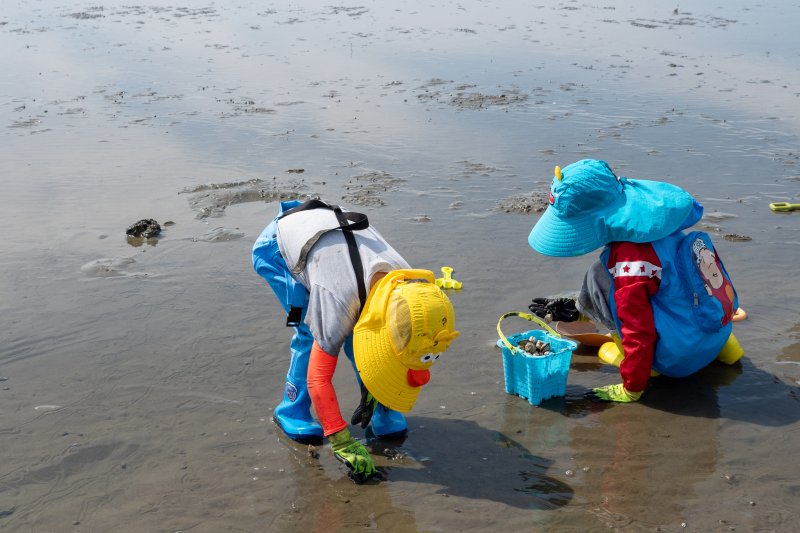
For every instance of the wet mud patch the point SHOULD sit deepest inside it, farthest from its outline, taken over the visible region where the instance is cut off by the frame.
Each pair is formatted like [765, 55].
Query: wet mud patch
[712, 223]
[534, 202]
[220, 235]
[472, 168]
[476, 100]
[737, 237]
[717, 216]
[25, 123]
[683, 19]
[459, 96]
[134, 10]
[618, 131]
[91, 13]
[77, 465]
[367, 189]
[791, 353]
[107, 267]
[212, 199]
[353, 11]
[244, 106]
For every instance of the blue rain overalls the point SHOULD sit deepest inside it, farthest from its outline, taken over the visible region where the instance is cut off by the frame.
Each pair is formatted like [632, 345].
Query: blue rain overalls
[293, 414]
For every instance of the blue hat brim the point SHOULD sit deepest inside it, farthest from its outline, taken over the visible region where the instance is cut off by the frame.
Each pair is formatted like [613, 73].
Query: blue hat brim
[651, 210]
[554, 236]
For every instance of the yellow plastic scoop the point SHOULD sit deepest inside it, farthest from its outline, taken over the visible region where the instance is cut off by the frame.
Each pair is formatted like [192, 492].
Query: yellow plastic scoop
[783, 206]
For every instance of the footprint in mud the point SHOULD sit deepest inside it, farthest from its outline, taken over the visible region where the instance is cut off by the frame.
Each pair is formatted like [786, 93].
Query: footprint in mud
[107, 267]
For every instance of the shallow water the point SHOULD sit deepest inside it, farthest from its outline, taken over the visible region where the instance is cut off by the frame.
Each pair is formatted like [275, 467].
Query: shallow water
[138, 376]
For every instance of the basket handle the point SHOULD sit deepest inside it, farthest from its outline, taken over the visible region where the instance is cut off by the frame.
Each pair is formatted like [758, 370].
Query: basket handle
[526, 316]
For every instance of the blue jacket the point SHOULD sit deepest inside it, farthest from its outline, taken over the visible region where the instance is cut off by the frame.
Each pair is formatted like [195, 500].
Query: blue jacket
[693, 322]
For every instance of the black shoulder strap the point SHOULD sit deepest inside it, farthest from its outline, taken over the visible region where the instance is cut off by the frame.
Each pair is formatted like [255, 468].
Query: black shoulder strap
[348, 222]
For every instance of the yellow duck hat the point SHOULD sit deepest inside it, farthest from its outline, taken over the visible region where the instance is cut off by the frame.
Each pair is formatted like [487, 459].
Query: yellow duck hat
[406, 324]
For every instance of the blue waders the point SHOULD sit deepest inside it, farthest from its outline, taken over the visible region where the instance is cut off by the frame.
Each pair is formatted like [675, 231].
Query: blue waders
[293, 414]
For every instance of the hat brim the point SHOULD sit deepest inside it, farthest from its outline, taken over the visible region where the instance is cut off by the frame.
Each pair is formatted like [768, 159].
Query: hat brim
[558, 237]
[382, 373]
[651, 210]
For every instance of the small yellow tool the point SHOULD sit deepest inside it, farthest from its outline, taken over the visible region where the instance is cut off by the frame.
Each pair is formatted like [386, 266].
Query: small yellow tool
[784, 206]
[447, 282]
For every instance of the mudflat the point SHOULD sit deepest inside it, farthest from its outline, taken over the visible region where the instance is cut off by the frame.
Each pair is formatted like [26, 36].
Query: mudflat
[138, 374]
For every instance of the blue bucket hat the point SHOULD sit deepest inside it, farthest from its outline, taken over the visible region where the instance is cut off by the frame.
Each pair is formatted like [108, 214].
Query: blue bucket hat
[590, 207]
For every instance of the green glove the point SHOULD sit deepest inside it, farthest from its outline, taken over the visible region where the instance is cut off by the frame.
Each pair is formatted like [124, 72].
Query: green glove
[353, 454]
[363, 413]
[616, 393]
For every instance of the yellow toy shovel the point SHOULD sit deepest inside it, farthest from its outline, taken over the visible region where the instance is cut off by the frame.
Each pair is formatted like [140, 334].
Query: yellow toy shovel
[783, 206]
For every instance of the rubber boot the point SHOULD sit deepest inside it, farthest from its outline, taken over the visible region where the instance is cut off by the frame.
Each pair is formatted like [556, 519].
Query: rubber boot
[388, 424]
[731, 352]
[293, 414]
[611, 354]
[385, 423]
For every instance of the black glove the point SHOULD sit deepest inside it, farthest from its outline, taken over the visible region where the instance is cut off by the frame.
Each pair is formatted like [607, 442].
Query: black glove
[363, 413]
[558, 309]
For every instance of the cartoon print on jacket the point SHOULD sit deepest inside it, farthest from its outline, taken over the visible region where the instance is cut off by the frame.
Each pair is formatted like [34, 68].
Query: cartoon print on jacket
[717, 284]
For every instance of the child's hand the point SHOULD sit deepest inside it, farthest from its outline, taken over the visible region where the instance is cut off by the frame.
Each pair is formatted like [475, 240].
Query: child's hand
[354, 455]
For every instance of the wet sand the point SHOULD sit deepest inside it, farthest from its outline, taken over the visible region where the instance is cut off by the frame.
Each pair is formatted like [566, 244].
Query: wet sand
[137, 376]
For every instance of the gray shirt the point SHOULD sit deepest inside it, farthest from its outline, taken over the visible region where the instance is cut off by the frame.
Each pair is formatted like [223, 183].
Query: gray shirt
[594, 296]
[333, 307]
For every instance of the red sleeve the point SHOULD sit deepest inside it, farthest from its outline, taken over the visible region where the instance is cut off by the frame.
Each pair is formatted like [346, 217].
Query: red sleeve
[321, 366]
[637, 276]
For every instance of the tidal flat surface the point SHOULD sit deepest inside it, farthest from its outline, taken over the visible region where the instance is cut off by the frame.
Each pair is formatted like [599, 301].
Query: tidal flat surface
[138, 376]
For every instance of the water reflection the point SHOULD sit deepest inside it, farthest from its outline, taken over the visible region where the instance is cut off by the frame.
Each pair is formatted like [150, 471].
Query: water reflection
[645, 461]
[138, 242]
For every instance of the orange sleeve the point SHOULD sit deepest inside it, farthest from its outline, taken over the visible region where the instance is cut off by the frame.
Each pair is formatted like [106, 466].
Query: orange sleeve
[321, 367]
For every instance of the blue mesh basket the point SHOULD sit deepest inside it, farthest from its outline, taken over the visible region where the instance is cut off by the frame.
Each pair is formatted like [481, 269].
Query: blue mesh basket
[535, 377]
